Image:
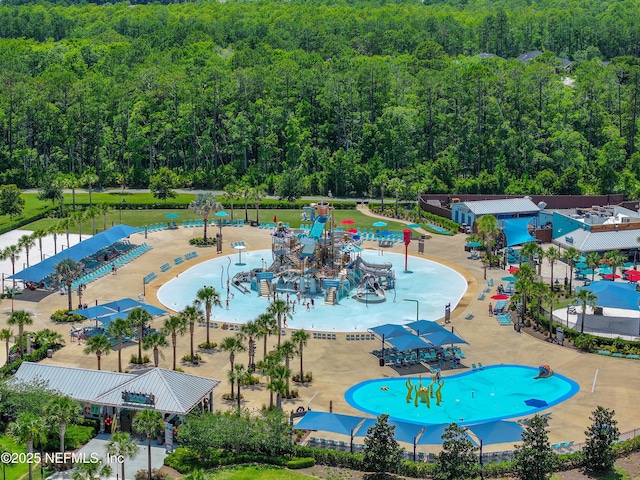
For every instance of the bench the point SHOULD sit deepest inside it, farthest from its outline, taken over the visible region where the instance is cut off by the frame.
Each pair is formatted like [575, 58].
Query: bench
[469, 316]
[481, 296]
[149, 278]
[178, 260]
[165, 267]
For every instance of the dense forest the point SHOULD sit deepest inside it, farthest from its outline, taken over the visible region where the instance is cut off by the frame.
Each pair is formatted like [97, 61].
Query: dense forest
[342, 96]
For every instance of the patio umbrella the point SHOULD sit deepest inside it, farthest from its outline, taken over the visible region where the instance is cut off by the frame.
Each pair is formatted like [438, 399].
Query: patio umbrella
[500, 296]
[171, 215]
[581, 265]
[509, 279]
[353, 230]
[347, 221]
[632, 272]
[589, 271]
[222, 214]
[413, 225]
[605, 271]
[474, 244]
[611, 276]
[513, 269]
[379, 224]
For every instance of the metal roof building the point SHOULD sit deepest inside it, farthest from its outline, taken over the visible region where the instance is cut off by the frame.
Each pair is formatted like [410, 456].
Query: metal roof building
[601, 241]
[503, 209]
[171, 392]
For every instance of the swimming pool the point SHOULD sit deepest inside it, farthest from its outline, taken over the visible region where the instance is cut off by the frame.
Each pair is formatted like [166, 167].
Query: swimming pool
[494, 393]
[429, 283]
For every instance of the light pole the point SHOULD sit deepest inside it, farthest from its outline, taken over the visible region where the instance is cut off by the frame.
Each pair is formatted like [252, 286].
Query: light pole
[417, 306]
[122, 204]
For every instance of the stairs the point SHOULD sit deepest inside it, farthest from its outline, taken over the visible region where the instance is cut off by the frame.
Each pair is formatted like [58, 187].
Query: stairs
[330, 298]
[265, 291]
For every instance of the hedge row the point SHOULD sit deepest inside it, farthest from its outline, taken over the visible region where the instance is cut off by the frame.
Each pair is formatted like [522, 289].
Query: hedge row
[34, 356]
[184, 460]
[22, 221]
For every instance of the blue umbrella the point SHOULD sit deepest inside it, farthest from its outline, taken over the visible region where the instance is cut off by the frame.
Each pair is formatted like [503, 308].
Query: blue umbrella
[172, 215]
[379, 224]
[413, 225]
[509, 279]
[474, 244]
[222, 214]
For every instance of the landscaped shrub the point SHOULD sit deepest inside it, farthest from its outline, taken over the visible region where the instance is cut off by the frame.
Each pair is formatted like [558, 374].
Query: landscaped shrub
[74, 437]
[207, 346]
[136, 361]
[304, 462]
[64, 316]
[199, 241]
[184, 460]
[196, 358]
[155, 475]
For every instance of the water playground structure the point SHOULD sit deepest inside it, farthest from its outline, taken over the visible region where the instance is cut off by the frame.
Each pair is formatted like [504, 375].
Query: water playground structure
[425, 394]
[321, 261]
[544, 371]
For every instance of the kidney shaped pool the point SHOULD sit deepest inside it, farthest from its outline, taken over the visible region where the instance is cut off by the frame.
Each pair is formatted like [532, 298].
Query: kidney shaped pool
[493, 393]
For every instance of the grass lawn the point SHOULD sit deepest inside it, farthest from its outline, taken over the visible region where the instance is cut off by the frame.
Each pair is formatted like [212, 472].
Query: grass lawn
[140, 218]
[252, 472]
[17, 470]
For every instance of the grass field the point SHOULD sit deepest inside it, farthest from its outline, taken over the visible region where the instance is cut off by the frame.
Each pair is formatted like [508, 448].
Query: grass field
[256, 473]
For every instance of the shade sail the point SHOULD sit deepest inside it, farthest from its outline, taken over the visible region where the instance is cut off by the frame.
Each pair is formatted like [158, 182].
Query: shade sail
[443, 338]
[77, 252]
[499, 431]
[389, 330]
[329, 422]
[108, 312]
[404, 432]
[409, 342]
[517, 231]
[433, 435]
[614, 294]
[422, 327]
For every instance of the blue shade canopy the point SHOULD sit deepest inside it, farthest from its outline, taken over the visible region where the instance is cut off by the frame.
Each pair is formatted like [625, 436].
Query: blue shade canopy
[413, 225]
[108, 312]
[499, 431]
[614, 294]
[509, 278]
[517, 231]
[404, 431]
[329, 422]
[474, 244]
[433, 435]
[77, 252]
[389, 330]
[443, 338]
[379, 224]
[222, 214]
[423, 327]
[409, 342]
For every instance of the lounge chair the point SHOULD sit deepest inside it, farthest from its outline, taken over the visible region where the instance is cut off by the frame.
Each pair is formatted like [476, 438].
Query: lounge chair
[474, 367]
[480, 366]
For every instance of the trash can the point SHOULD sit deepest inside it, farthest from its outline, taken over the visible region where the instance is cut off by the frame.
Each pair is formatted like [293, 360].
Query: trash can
[50, 353]
[516, 327]
[381, 362]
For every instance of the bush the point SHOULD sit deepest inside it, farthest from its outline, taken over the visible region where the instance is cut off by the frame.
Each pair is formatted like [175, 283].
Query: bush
[308, 377]
[304, 462]
[207, 346]
[155, 475]
[137, 361]
[185, 460]
[199, 241]
[196, 358]
[250, 380]
[64, 316]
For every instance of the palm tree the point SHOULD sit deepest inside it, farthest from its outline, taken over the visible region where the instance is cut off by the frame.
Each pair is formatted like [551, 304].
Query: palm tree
[38, 235]
[267, 326]
[534, 252]
[150, 423]
[239, 375]
[154, 341]
[20, 318]
[266, 367]
[119, 329]
[553, 255]
[231, 193]
[251, 331]
[138, 318]
[104, 209]
[27, 242]
[585, 298]
[191, 315]
[257, 194]
[615, 259]
[78, 217]
[122, 447]
[54, 230]
[300, 339]
[29, 428]
[90, 471]
[232, 345]
[89, 178]
[63, 411]
[593, 260]
[540, 291]
[278, 309]
[91, 213]
[203, 205]
[208, 296]
[70, 180]
[571, 256]
[100, 345]
[6, 334]
[174, 326]
[397, 186]
[65, 224]
[524, 284]
[67, 272]
[48, 337]
[488, 228]
[12, 252]
[278, 384]
[550, 296]
[287, 351]
[244, 191]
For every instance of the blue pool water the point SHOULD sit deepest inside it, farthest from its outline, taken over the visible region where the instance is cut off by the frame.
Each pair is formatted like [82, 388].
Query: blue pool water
[495, 393]
[432, 284]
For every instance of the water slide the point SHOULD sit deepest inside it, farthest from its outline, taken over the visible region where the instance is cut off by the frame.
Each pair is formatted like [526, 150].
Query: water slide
[318, 226]
[370, 281]
[373, 268]
[237, 280]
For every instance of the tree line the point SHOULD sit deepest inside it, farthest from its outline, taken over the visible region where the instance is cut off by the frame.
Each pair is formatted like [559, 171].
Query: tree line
[322, 96]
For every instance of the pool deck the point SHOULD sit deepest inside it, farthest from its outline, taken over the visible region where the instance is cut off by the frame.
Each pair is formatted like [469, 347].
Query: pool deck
[339, 364]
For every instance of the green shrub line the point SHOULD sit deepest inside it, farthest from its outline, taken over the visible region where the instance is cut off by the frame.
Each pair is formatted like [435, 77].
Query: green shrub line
[33, 217]
[34, 356]
[185, 461]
